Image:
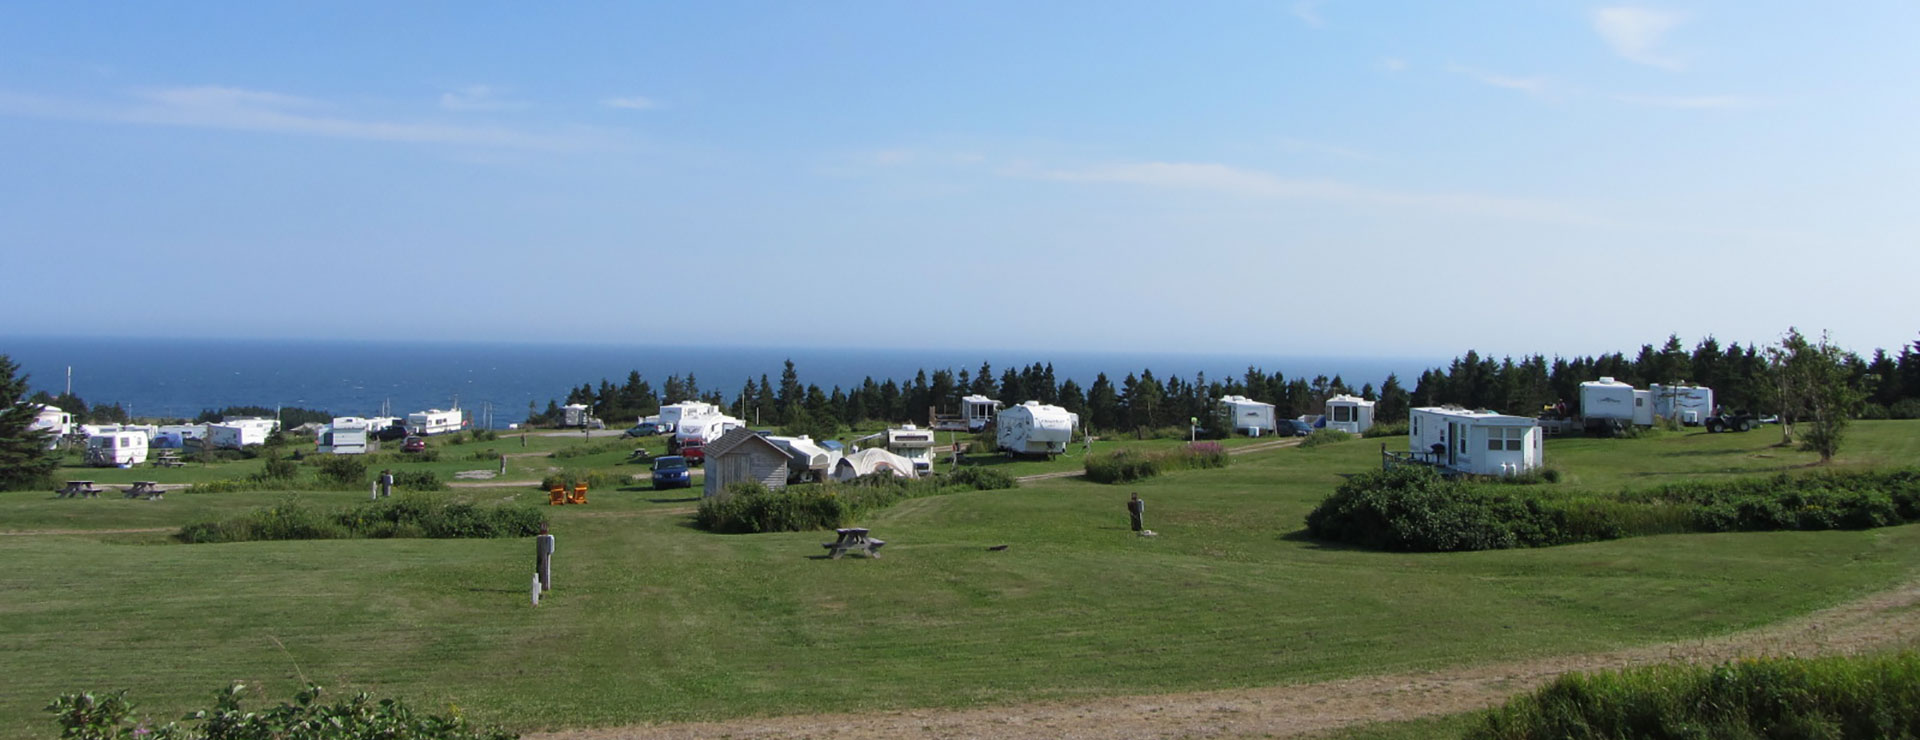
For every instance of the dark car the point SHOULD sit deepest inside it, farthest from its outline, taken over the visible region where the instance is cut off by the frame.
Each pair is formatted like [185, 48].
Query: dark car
[389, 434]
[671, 472]
[1296, 427]
[413, 444]
[643, 429]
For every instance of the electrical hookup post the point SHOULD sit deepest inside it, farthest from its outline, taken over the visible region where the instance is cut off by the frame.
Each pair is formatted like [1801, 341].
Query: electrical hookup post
[542, 564]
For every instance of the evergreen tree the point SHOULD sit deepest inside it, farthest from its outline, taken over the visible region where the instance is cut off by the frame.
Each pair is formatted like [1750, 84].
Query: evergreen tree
[1103, 404]
[24, 462]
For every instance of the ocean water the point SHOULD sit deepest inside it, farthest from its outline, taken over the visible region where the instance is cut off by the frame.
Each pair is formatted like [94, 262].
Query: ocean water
[180, 377]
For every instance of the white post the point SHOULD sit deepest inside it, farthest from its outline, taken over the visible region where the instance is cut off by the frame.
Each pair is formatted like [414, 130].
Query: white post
[536, 589]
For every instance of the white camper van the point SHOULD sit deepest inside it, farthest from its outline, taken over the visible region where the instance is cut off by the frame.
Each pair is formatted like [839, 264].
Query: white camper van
[1252, 417]
[1035, 428]
[436, 421]
[913, 443]
[117, 449]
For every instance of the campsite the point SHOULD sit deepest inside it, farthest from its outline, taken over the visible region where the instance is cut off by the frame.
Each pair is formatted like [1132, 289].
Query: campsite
[652, 620]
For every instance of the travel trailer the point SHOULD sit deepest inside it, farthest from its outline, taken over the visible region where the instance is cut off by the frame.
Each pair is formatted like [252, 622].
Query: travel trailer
[1607, 405]
[579, 415]
[1474, 442]
[1035, 428]
[436, 421]
[56, 422]
[1248, 416]
[117, 449]
[913, 443]
[234, 434]
[1350, 414]
[976, 413]
[342, 439]
[811, 461]
[1688, 404]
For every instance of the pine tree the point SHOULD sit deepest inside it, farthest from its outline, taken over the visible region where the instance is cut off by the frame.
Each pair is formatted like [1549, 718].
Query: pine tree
[24, 462]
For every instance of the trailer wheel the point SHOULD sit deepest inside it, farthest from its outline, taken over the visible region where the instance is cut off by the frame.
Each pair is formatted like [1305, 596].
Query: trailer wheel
[1713, 426]
[1742, 425]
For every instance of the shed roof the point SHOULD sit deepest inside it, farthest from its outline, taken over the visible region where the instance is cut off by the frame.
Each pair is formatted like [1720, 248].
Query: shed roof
[737, 437]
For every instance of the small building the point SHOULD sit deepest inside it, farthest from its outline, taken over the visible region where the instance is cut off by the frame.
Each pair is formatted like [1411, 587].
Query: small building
[742, 454]
[869, 461]
[122, 449]
[1350, 414]
[1248, 416]
[1474, 442]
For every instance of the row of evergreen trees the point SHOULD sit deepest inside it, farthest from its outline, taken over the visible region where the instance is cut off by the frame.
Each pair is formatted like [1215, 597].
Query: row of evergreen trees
[1739, 375]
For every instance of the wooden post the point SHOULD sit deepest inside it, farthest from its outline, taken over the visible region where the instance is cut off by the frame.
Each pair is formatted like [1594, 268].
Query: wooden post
[543, 559]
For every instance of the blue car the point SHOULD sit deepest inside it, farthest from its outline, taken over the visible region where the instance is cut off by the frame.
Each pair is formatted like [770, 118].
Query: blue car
[1295, 427]
[671, 472]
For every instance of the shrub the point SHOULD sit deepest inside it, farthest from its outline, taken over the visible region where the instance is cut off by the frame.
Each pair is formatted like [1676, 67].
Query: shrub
[981, 479]
[1906, 408]
[747, 507]
[342, 471]
[290, 519]
[1325, 436]
[278, 470]
[405, 516]
[418, 480]
[1871, 410]
[1844, 697]
[1121, 466]
[1389, 429]
[594, 479]
[87, 716]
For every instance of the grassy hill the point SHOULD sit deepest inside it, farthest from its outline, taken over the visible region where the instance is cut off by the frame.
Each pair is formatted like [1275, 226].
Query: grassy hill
[653, 620]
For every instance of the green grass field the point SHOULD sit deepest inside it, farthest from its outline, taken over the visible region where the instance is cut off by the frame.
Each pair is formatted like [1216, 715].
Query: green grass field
[653, 620]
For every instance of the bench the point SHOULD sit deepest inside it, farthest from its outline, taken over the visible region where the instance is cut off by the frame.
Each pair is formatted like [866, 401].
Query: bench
[853, 538]
[78, 489]
[556, 496]
[579, 495]
[147, 489]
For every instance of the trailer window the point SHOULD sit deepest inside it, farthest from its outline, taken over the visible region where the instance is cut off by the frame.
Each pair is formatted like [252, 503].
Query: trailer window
[1508, 438]
[1343, 413]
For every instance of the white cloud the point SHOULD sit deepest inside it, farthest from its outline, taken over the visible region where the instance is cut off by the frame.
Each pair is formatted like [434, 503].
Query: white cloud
[237, 109]
[1229, 180]
[1393, 64]
[477, 98]
[1636, 33]
[1530, 85]
[1691, 102]
[631, 102]
[1308, 11]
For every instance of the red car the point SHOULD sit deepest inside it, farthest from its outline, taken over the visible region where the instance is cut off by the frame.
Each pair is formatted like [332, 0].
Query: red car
[413, 444]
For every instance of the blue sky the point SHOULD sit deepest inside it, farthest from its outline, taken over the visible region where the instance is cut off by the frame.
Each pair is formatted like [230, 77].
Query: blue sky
[1329, 178]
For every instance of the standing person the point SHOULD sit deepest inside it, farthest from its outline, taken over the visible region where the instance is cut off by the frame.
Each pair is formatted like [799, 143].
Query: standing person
[386, 483]
[1136, 510]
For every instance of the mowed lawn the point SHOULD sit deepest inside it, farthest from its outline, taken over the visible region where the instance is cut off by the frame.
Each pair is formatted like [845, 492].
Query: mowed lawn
[653, 620]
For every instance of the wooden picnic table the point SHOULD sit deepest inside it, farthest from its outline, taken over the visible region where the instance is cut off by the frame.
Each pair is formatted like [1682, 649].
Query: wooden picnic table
[79, 489]
[147, 489]
[168, 459]
[853, 538]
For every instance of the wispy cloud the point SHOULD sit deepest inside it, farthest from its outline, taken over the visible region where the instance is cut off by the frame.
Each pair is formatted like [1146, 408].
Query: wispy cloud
[478, 98]
[1692, 102]
[631, 102]
[237, 109]
[1636, 33]
[1229, 180]
[1308, 11]
[1393, 64]
[1530, 85]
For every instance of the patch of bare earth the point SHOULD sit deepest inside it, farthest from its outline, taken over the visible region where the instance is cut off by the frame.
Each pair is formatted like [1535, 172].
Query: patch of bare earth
[1881, 621]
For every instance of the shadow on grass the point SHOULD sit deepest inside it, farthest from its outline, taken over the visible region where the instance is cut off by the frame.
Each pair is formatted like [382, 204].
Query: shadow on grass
[1702, 453]
[1300, 536]
[684, 500]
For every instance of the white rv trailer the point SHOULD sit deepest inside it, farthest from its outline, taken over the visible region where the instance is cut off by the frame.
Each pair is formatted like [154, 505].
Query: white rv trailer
[1610, 404]
[810, 461]
[56, 422]
[1475, 442]
[343, 439]
[234, 434]
[117, 449]
[672, 415]
[580, 415]
[1350, 414]
[976, 413]
[436, 421]
[1247, 415]
[913, 443]
[197, 432]
[1035, 428]
[1687, 404]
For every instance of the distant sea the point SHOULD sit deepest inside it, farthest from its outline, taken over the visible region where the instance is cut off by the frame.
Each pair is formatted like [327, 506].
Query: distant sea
[180, 377]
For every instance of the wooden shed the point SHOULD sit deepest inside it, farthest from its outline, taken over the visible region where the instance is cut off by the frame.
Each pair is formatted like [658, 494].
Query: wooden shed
[742, 454]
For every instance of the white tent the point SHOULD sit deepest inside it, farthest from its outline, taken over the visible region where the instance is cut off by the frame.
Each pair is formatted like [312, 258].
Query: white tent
[869, 461]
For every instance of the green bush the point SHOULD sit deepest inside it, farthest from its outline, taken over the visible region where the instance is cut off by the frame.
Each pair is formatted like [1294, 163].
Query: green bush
[1389, 429]
[594, 479]
[1413, 508]
[418, 480]
[747, 507]
[1325, 436]
[278, 470]
[404, 516]
[290, 519]
[1844, 698]
[1906, 408]
[342, 471]
[1126, 465]
[107, 716]
[981, 479]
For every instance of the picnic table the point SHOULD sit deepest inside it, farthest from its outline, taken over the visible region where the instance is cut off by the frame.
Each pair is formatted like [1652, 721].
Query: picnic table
[79, 489]
[853, 538]
[147, 489]
[168, 459]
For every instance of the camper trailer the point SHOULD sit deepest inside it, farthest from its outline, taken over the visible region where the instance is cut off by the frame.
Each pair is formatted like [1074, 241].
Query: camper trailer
[811, 461]
[976, 413]
[913, 443]
[234, 434]
[694, 432]
[1035, 428]
[56, 422]
[579, 415]
[1474, 442]
[117, 449]
[1248, 416]
[436, 421]
[343, 439]
[1350, 414]
[1607, 405]
[1687, 404]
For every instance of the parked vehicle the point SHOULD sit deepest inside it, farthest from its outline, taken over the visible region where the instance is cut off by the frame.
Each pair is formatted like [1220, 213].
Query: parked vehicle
[694, 451]
[413, 444]
[1296, 427]
[671, 471]
[1734, 422]
[389, 434]
[643, 429]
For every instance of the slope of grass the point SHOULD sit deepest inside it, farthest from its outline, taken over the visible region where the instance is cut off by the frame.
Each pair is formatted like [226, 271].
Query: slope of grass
[653, 620]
